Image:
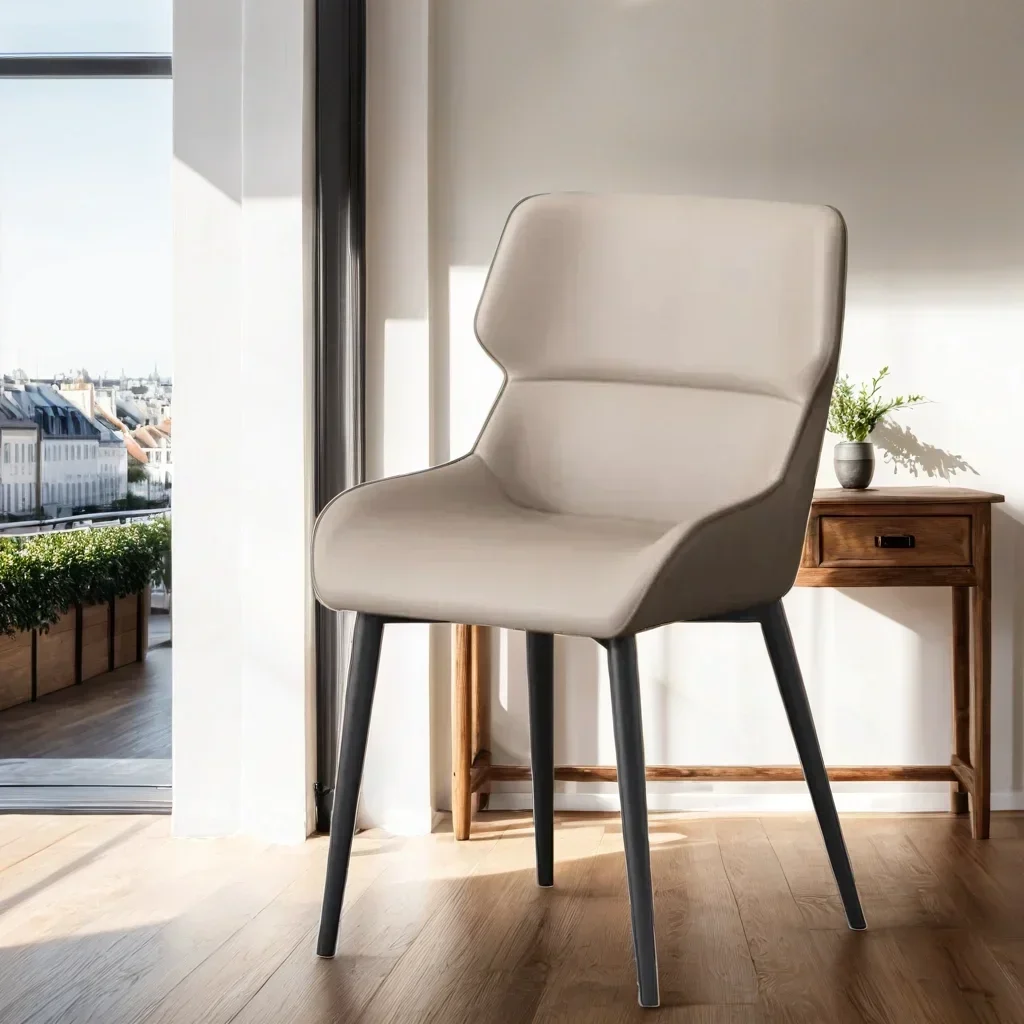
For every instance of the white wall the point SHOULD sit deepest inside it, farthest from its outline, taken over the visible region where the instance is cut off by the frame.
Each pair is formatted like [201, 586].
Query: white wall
[243, 705]
[908, 118]
[400, 376]
[904, 115]
[243, 190]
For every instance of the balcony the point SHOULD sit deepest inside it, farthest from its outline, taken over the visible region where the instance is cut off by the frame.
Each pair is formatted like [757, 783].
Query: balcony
[85, 664]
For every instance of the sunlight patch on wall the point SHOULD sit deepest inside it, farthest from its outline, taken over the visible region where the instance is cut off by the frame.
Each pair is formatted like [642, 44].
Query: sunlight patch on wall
[406, 427]
[475, 378]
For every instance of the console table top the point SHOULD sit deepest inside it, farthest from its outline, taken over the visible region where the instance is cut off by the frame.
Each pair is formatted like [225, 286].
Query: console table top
[926, 495]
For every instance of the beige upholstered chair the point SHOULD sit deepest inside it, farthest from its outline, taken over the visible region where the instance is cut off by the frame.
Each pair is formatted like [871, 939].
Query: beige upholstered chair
[650, 459]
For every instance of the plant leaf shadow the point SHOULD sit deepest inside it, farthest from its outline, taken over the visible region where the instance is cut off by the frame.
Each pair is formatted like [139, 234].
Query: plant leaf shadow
[902, 449]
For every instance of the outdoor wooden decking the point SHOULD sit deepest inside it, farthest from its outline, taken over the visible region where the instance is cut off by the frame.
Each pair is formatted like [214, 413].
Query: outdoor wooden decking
[123, 714]
[103, 745]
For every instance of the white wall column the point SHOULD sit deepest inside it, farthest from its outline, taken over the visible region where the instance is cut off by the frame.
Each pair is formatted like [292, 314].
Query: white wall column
[243, 193]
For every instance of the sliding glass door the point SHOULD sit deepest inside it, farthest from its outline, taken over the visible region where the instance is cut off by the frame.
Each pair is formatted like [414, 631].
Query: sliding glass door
[86, 403]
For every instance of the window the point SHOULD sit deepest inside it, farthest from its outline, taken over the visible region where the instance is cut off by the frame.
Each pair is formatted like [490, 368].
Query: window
[85, 188]
[85, 201]
[85, 243]
[7, 452]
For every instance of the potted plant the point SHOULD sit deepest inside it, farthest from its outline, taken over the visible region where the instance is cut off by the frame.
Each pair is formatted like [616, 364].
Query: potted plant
[852, 414]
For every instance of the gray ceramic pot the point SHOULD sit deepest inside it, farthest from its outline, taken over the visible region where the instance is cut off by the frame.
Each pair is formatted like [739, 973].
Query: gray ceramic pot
[855, 464]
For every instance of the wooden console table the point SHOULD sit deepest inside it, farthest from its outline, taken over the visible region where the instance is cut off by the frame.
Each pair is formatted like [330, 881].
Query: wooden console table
[883, 537]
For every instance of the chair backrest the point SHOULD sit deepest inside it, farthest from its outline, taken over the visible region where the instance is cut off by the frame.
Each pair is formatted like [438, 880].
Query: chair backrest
[663, 354]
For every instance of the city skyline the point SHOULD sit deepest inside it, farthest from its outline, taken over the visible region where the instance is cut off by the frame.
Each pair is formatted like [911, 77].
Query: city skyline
[72, 373]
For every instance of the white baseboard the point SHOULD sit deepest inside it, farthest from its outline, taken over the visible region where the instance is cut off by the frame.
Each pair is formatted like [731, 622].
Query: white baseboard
[884, 800]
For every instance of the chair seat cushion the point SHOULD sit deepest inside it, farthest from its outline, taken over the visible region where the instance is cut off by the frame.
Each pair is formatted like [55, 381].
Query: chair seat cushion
[448, 544]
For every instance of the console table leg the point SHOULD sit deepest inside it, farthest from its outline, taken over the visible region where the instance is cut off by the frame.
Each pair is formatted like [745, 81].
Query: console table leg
[981, 601]
[462, 732]
[961, 690]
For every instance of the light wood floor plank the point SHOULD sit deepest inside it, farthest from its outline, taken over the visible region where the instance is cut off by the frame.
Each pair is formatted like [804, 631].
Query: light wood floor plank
[27, 834]
[218, 989]
[152, 912]
[499, 942]
[377, 929]
[791, 986]
[108, 920]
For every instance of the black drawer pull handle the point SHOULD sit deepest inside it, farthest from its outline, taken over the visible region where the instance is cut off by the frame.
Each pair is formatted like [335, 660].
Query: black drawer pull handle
[895, 540]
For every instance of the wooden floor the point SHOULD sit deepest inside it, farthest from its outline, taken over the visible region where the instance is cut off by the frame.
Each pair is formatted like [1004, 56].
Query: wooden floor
[122, 714]
[107, 920]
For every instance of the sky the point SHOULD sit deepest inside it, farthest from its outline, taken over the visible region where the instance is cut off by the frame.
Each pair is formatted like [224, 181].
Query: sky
[85, 195]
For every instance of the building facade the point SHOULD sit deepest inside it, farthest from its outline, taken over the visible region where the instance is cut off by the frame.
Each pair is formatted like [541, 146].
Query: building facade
[79, 458]
[155, 442]
[20, 468]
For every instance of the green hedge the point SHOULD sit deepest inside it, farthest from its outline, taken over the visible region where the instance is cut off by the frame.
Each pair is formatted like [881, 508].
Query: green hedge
[41, 577]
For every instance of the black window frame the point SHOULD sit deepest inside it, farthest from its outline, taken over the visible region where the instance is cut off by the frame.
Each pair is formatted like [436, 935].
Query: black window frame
[340, 329]
[85, 65]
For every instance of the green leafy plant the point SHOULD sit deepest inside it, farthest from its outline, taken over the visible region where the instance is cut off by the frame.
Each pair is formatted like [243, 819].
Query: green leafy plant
[856, 409]
[43, 576]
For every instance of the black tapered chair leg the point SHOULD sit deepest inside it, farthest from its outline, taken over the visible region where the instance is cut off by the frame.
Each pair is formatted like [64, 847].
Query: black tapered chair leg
[540, 675]
[779, 642]
[362, 679]
[629, 756]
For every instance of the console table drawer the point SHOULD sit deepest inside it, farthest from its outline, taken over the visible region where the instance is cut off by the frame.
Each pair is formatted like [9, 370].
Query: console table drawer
[895, 540]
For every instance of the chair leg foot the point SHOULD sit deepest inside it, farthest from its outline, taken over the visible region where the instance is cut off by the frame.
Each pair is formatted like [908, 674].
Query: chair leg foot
[540, 673]
[779, 642]
[629, 756]
[362, 680]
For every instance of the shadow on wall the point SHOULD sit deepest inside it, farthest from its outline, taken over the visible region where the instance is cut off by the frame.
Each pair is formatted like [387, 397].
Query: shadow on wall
[903, 449]
[899, 114]
[578, 688]
[924, 617]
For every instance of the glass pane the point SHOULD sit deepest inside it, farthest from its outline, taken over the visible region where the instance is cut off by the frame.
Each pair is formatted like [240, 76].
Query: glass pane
[85, 226]
[86, 416]
[85, 26]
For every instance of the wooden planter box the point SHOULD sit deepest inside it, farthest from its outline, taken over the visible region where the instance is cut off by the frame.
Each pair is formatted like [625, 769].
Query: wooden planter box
[55, 655]
[95, 632]
[15, 669]
[86, 642]
[126, 630]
